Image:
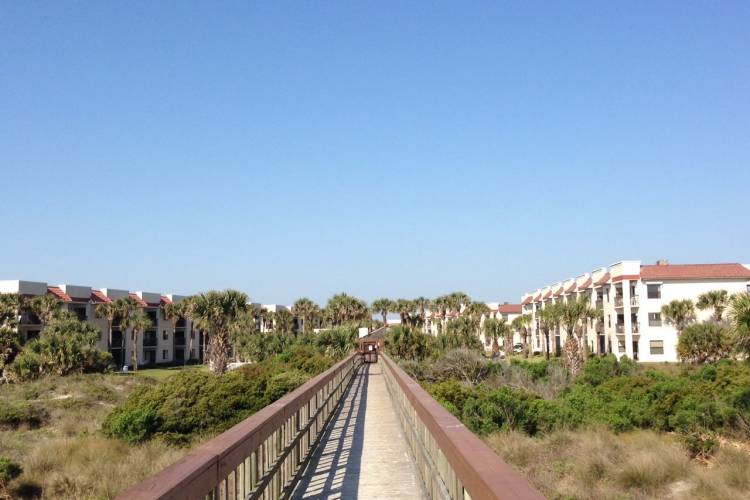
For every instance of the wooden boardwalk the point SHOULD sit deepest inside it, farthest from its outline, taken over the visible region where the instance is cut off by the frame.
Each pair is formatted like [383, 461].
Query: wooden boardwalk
[363, 454]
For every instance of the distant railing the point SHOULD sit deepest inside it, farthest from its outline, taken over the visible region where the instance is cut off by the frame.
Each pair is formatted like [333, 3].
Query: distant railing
[262, 456]
[453, 462]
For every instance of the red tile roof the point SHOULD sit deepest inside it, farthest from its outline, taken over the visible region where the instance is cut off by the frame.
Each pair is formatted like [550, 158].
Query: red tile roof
[527, 300]
[547, 295]
[571, 288]
[602, 280]
[694, 271]
[138, 299]
[165, 300]
[585, 284]
[510, 308]
[59, 294]
[559, 292]
[537, 297]
[98, 297]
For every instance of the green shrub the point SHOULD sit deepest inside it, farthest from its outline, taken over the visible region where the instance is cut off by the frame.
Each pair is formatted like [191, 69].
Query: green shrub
[192, 403]
[14, 415]
[135, 426]
[702, 342]
[9, 470]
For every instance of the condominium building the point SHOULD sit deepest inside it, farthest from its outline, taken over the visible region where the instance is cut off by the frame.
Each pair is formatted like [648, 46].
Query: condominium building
[164, 342]
[630, 296]
[497, 310]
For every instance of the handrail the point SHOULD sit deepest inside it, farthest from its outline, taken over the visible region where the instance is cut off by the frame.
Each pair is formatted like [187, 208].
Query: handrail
[260, 456]
[452, 460]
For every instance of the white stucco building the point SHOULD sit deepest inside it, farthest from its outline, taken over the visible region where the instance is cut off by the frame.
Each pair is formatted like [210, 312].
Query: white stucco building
[630, 295]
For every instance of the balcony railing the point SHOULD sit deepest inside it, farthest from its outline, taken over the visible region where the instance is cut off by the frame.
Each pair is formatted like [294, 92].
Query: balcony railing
[453, 462]
[620, 328]
[619, 302]
[261, 456]
[599, 304]
[634, 301]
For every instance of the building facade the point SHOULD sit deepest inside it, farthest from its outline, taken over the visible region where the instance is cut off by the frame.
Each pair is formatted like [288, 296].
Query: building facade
[166, 342]
[630, 296]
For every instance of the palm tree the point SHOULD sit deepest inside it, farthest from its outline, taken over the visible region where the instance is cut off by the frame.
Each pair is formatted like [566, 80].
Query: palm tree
[404, 308]
[495, 329]
[679, 313]
[550, 319]
[383, 306]
[475, 311]
[216, 312]
[284, 322]
[458, 300]
[716, 300]
[174, 312]
[521, 325]
[739, 314]
[305, 309]
[422, 304]
[441, 305]
[45, 307]
[139, 322]
[125, 306]
[108, 311]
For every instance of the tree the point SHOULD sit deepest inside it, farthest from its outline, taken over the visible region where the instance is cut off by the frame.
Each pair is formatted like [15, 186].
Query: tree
[216, 312]
[474, 311]
[404, 308]
[422, 304]
[441, 305]
[495, 329]
[704, 342]
[343, 308]
[65, 346]
[306, 310]
[383, 306]
[108, 311]
[45, 307]
[457, 301]
[739, 314]
[284, 322]
[549, 319]
[717, 300]
[679, 312]
[138, 321]
[10, 338]
[174, 312]
[407, 343]
[521, 325]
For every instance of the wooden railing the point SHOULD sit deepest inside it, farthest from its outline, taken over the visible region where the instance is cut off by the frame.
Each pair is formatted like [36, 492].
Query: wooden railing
[262, 456]
[453, 462]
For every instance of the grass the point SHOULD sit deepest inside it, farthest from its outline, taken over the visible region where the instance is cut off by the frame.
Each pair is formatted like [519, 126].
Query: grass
[65, 455]
[598, 464]
[164, 373]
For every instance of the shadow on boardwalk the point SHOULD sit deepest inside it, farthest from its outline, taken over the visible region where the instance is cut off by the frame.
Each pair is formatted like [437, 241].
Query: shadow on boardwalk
[333, 471]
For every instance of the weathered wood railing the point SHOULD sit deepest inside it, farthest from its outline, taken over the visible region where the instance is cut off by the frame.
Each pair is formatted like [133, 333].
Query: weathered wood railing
[453, 462]
[261, 456]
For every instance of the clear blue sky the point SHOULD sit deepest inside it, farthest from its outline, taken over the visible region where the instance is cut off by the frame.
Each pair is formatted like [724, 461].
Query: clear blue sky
[380, 148]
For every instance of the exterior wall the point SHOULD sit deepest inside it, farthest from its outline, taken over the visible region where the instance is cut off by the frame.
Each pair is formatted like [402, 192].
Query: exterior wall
[625, 308]
[81, 300]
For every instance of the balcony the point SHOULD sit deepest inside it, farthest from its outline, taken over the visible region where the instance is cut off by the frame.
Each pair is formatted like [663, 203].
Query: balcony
[620, 328]
[600, 327]
[619, 302]
[634, 301]
[599, 304]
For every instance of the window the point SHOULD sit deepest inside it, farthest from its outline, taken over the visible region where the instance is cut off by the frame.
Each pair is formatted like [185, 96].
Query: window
[164, 335]
[164, 354]
[621, 345]
[654, 319]
[656, 346]
[653, 291]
